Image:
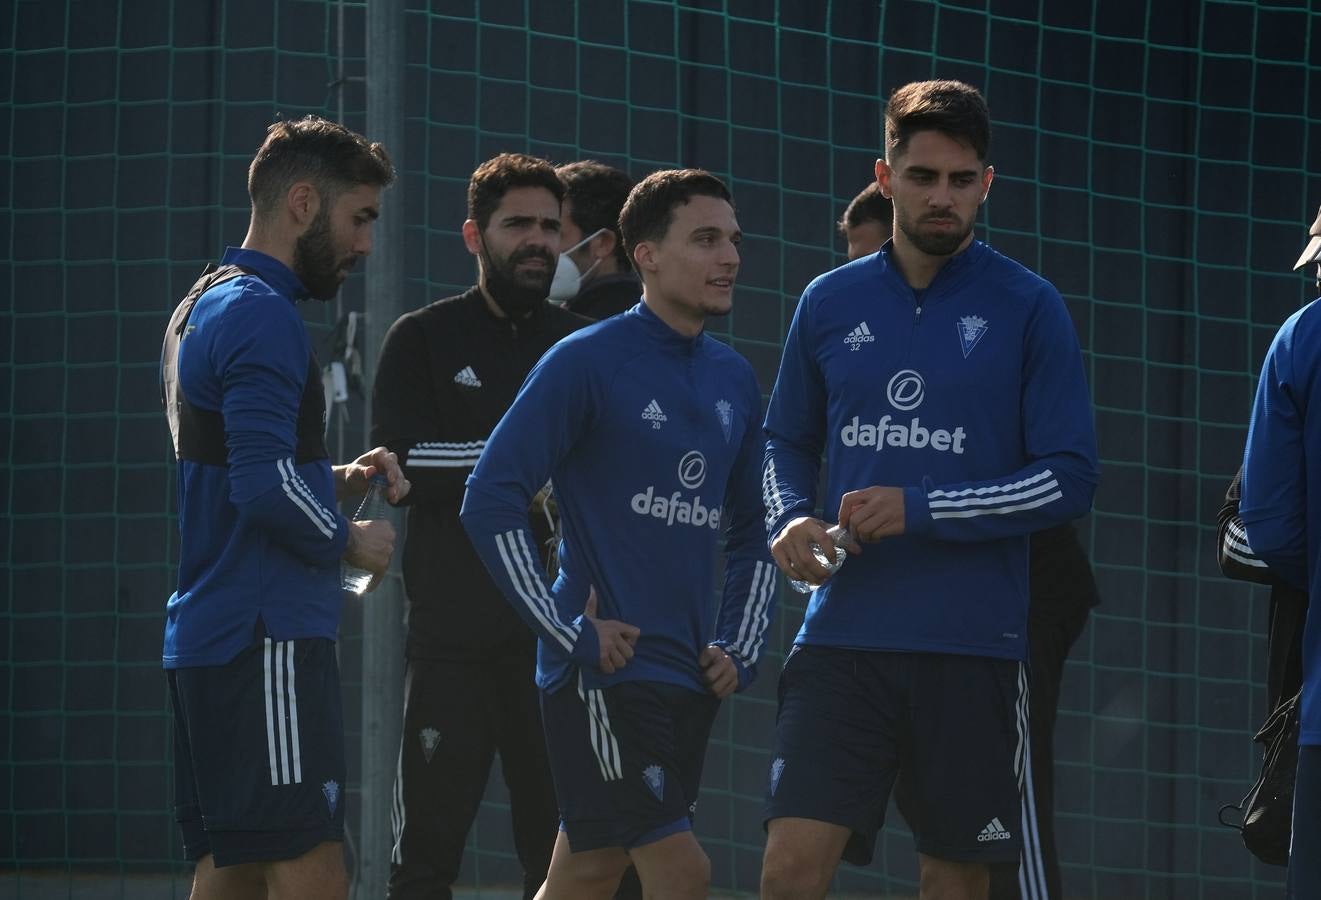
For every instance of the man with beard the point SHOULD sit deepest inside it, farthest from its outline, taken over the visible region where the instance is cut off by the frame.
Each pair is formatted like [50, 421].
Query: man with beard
[446, 375]
[1062, 592]
[910, 658]
[250, 631]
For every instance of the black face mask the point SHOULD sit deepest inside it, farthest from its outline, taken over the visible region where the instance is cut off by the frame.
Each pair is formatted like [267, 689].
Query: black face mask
[515, 294]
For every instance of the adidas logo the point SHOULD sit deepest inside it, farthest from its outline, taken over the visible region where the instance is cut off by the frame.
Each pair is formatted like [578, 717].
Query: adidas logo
[467, 377]
[654, 415]
[993, 831]
[859, 336]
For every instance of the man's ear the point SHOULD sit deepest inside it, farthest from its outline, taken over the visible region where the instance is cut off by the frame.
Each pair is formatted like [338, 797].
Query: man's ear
[603, 245]
[987, 177]
[472, 237]
[302, 202]
[644, 257]
[883, 175]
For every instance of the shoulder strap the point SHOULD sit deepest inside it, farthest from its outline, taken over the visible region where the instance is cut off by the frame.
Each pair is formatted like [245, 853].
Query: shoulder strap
[171, 398]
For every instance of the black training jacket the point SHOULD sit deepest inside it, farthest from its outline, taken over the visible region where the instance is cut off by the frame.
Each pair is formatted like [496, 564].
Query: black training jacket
[446, 374]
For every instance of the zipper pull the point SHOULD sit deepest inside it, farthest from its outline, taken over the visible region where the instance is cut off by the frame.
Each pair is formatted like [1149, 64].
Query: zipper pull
[917, 314]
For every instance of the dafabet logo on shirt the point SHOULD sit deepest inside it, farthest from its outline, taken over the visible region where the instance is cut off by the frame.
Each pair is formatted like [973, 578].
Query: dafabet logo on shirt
[676, 507]
[905, 392]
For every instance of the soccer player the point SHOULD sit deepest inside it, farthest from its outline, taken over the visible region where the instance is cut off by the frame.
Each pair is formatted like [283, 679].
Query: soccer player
[446, 375]
[648, 429]
[250, 631]
[595, 279]
[1062, 592]
[944, 384]
[1280, 508]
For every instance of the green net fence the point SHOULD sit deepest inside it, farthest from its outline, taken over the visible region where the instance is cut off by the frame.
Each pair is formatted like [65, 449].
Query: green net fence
[1152, 161]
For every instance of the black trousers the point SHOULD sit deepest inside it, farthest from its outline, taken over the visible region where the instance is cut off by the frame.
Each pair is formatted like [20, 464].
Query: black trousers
[457, 716]
[1049, 638]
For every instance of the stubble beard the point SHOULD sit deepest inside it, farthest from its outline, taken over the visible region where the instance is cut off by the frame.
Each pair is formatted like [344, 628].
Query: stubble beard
[933, 244]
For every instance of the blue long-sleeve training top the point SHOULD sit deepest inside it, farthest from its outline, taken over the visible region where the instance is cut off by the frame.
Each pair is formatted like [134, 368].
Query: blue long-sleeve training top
[1281, 500]
[969, 395]
[260, 534]
[652, 443]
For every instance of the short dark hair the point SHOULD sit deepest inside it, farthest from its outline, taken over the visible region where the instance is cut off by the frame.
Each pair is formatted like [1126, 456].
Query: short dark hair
[956, 109]
[326, 154]
[650, 206]
[493, 179]
[869, 206]
[597, 192]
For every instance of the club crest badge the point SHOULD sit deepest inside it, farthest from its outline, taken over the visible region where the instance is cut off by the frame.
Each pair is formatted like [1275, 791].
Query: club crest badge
[330, 790]
[430, 739]
[777, 769]
[654, 776]
[725, 412]
[971, 330]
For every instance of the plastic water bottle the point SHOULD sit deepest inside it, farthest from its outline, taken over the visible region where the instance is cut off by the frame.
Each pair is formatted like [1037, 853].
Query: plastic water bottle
[843, 539]
[373, 506]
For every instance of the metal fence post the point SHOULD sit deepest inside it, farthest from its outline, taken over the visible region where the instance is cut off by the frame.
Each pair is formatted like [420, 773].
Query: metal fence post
[382, 632]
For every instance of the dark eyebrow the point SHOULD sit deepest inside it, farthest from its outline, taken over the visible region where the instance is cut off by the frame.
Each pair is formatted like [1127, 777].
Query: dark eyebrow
[923, 170]
[704, 230]
[546, 222]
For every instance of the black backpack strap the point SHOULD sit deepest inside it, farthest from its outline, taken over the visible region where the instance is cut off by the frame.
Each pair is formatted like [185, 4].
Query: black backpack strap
[197, 434]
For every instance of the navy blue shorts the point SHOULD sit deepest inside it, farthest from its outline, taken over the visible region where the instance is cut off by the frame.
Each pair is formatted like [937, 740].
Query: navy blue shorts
[627, 760]
[850, 720]
[259, 753]
[1305, 846]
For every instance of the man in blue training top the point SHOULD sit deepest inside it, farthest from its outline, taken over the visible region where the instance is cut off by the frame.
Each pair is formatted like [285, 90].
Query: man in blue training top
[250, 631]
[944, 385]
[1281, 512]
[1062, 592]
[648, 429]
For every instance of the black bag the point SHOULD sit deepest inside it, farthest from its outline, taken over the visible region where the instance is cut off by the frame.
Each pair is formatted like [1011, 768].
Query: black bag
[1267, 810]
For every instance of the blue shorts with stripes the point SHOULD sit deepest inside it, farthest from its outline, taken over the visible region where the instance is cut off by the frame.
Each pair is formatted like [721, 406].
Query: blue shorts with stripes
[259, 753]
[850, 720]
[627, 760]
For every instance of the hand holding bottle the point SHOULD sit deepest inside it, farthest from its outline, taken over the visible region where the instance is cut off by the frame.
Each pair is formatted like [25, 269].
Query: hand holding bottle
[842, 541]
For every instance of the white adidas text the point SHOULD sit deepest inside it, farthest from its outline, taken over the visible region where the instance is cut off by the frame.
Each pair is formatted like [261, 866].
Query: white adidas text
[859, 336]
[993, 831]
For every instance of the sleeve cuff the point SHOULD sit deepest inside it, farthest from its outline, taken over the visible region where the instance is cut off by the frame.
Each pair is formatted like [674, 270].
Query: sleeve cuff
[917, 509]
[746, 673]
[587, 651]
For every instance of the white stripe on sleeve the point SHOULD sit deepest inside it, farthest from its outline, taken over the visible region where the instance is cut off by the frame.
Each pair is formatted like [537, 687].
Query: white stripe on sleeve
[300, 496]
[542, 609]
[441, 455]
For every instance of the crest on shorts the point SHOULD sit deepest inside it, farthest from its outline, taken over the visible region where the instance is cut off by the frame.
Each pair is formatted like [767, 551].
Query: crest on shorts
[654, 776]
[330, 790]
[971, 330]
[430, 738]
[725, 412]
[777, 769]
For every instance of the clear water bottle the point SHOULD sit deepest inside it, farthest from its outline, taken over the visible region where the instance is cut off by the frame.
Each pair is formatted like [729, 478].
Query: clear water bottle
[373, 506]
[843, 540]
